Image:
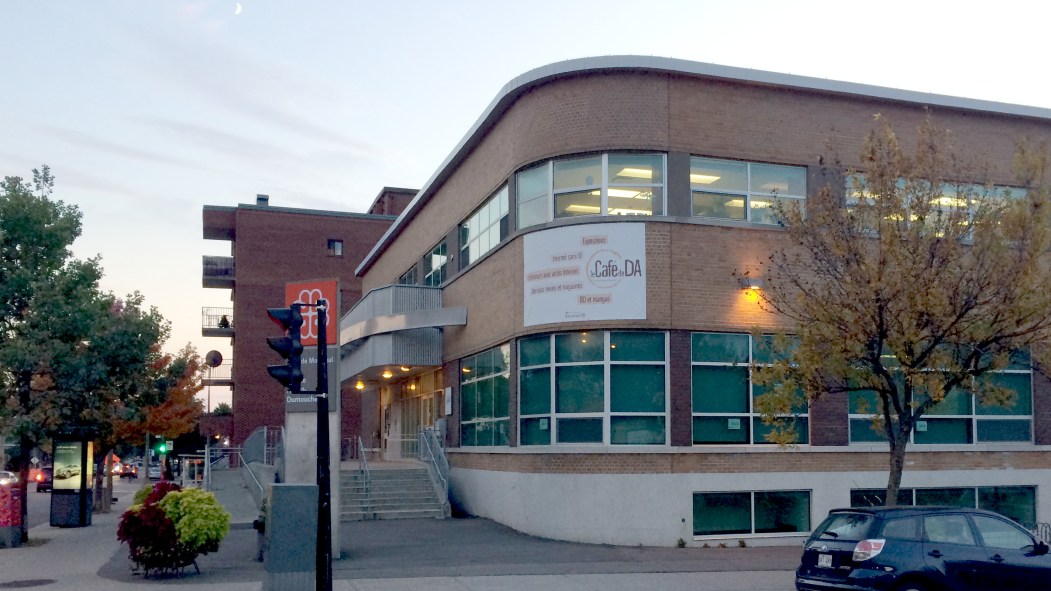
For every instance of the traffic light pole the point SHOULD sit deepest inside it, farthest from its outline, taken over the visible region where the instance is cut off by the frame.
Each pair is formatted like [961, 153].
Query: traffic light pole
[324, 503]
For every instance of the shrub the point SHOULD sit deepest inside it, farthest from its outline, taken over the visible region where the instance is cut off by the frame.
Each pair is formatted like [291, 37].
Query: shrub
[168, 527]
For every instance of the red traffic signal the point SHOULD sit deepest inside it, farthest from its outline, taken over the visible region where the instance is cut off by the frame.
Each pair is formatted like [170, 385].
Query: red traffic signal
[289, 347]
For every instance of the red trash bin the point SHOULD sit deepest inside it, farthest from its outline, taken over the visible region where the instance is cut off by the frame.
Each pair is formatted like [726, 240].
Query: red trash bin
[10, 516]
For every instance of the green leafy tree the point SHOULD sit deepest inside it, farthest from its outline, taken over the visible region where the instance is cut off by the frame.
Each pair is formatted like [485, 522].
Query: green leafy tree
[70, 355]
[222, 410]
[919, 283]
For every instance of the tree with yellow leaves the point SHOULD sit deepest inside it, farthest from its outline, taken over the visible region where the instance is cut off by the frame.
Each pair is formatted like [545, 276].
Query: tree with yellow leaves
[912, 284]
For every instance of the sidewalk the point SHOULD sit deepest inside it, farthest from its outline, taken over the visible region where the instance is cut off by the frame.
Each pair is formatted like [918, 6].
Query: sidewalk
[398, 555]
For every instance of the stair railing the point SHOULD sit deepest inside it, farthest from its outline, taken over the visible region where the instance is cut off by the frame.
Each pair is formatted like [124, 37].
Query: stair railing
[366, 477]
[431, 453]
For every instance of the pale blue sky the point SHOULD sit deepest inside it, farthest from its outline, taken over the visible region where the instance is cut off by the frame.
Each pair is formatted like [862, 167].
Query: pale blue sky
[146, 110]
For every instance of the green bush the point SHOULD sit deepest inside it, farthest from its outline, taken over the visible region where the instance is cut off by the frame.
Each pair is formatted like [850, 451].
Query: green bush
[200, 521]
[168, 527]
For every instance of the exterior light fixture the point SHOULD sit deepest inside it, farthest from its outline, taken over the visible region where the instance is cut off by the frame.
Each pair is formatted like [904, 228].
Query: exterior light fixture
[751, 283]
[405, 368]
[359, 385]
[412, 386]
[387, 374]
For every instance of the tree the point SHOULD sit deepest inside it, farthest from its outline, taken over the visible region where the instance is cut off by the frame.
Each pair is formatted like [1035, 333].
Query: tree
[70, 355]
[916, 286]
[222, 410]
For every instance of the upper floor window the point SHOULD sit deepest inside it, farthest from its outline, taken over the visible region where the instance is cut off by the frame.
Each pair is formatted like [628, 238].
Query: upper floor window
[410, 277]
[605, 184]
[747, 191]
[335, 248]
[593, 387]
[950, 203]
[434, 265]
[484, 230]
[724, 397]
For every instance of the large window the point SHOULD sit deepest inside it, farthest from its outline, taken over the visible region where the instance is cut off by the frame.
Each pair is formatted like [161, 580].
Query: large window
[724, 398]
[953, 202]
[435, 264]
[960, 417]
[1016, 502]
[483, 397]
[604, 184]
[747, 191]
[593, 387]
[759, 512]
[409, 277]
[484, 230]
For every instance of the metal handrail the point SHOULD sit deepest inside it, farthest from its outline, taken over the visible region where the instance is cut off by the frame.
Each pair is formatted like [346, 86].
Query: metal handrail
[245, 466]
[1040, 530]
[366, 484]
[430, 451]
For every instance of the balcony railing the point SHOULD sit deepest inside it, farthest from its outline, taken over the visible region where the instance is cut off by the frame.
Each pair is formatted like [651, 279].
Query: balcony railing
[217, 322]
[221, 375]
[218, 271]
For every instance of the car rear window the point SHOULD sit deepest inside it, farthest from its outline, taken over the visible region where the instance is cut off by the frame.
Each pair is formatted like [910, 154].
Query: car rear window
[846, 526]
[903, 528]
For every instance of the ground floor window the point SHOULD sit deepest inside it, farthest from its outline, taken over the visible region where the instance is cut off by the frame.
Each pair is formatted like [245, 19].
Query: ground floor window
[593, 387]
[961, 417]
[1015, 502]
[752, 512]
[484, 415]
[723, 395]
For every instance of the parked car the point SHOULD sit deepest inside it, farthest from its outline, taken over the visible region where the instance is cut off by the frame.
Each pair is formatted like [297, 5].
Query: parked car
[922, 549]
[8, 478]
[129, 471]
[154, 472]
[45, 479]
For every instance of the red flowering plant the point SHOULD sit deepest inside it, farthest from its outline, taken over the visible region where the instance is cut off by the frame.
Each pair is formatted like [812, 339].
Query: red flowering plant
[168, 527]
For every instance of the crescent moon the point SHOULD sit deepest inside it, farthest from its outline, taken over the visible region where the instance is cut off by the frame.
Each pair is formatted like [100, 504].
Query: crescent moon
[237, 10]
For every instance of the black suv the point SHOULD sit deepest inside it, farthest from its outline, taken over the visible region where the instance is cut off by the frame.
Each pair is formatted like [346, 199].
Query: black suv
[922, 549]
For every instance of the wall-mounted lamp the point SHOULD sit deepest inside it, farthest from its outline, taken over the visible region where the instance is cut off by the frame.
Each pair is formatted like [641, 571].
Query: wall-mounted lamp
[387, 374]
[405, 368]
[751, 283]
[359, 385]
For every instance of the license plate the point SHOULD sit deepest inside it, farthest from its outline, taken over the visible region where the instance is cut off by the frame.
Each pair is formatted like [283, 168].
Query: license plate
[824, 560]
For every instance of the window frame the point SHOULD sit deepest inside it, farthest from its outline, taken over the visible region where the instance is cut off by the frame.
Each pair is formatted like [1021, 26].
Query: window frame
[752, 514]
[434, 276]
[748, 195]
[752, 416]
[658, 203]
[501, 200]
[907, 495]
[607, 415]
[335, 247]
[504, 351]
[973, 418]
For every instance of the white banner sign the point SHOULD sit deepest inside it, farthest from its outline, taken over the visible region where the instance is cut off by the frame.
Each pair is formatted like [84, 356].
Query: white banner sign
[590, 272]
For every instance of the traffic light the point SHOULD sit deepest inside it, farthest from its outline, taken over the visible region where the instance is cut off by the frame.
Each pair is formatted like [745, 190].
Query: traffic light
[162, 448]
[291, 320]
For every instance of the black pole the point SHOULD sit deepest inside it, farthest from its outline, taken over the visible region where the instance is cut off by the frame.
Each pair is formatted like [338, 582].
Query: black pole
[82, 506]
[324, 501]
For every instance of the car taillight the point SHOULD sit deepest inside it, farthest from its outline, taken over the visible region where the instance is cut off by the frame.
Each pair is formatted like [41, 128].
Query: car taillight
[868, 549]
[39, 477]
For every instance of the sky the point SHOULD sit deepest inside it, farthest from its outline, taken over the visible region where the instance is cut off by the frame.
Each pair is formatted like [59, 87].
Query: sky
[147, 110]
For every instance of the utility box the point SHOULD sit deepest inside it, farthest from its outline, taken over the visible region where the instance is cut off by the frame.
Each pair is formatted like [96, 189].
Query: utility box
[291, 537]
[10, 516]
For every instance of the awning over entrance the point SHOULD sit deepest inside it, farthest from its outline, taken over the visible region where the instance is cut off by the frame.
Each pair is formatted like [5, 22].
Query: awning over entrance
[396, 325]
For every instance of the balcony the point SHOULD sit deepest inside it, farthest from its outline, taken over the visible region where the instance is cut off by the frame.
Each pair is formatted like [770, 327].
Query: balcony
[217, 322]
[220, 376]
[218, 272]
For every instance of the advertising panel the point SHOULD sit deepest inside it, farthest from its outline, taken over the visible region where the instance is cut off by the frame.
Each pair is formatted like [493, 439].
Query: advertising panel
[588, 272]
[68, 465]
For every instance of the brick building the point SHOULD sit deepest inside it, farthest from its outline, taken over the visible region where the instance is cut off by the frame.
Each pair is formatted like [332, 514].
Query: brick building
[617, 408]
[269, 247]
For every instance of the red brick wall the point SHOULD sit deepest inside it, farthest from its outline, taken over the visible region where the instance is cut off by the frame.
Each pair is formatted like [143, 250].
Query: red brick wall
[273, 247]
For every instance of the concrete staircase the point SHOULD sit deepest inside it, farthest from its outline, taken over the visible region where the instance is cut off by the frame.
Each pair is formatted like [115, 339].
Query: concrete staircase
[403, 492]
